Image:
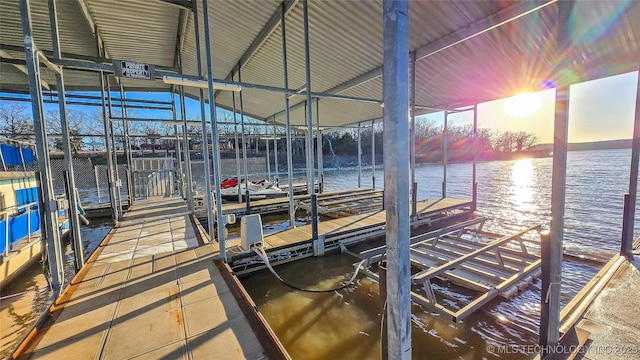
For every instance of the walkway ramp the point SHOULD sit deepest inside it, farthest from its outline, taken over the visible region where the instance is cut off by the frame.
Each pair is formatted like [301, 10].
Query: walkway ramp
[151, 290]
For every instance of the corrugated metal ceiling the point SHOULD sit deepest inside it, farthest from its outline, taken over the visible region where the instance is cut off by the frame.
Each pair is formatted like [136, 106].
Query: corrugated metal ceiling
[346, 42]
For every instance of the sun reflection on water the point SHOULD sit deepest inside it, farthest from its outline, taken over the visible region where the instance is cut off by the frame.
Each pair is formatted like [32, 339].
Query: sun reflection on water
[521, 191]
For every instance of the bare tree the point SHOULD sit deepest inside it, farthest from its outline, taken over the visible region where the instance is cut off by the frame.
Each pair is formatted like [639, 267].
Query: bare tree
[15, 122]
[76, 124]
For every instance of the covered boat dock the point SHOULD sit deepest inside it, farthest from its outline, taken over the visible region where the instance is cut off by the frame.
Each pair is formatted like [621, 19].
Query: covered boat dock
[312, 66]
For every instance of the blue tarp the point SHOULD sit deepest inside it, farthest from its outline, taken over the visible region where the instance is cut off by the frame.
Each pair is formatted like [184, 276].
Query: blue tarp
[18, 227]
[11, 155]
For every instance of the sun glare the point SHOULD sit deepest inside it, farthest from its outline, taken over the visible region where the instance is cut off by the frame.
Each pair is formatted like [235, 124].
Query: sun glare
[523, 105]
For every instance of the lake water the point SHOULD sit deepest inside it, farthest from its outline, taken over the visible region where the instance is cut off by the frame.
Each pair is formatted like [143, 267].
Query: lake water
[345, 324]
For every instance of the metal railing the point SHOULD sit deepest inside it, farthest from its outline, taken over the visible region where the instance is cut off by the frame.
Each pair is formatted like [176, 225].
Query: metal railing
[14, 213]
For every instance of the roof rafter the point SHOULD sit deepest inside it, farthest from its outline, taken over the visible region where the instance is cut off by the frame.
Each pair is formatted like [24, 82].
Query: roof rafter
[268, 29]
[20, 67]
[493, 21]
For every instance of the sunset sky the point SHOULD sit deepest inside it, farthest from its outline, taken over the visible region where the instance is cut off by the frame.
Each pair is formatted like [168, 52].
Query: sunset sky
[599, 110]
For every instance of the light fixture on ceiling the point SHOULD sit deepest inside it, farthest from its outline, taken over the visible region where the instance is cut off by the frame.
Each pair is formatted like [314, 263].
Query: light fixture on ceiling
[177, 80]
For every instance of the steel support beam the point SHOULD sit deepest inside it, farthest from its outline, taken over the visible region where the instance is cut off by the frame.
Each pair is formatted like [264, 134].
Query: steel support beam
[445, 150]
[76, 236]
[292, 210]
[52, 246]
[319, 149]
[178, 155]
[412, 139]
[312, 187]
[275, 152]
[203, 123]
[187, 152]
[626, 248]
[263, 35]
[247, 199]
[114, 154]
[474, 171]
[236, 144]
[214, 135]
[373, 153]
[359, 156]
[552, 250]
[396, 176]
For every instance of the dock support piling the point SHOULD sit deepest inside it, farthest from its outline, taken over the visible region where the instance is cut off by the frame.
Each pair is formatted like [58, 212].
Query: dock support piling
[445, 143]
[52, 245]
[382, 290]
[247, 199]
[319, 149]
[373, 153]
[113, 154]
[236, 144]
[70, 183]
[292, 210]
[626, 248]
[551, 284]
[214, 135]
[359, 156]
[474, 144]
[275, 152]
[312, 187]
[203, 123]
[187, 152]
[396, 176]
[412, 143]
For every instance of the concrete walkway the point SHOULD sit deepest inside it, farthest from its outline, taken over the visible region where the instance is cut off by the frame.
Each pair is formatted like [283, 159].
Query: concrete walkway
[152, 293]
[614, 318]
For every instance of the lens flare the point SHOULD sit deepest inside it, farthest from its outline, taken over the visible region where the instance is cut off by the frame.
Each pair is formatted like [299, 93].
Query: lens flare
[522, 105]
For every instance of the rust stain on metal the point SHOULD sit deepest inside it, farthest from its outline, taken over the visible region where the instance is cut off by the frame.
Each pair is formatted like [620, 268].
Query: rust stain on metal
[178, 316]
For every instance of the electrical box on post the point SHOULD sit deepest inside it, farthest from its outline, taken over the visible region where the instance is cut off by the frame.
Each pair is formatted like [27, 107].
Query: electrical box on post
[251, 231]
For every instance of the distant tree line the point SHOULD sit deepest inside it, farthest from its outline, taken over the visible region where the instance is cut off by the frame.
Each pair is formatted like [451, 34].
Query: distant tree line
[87, 131]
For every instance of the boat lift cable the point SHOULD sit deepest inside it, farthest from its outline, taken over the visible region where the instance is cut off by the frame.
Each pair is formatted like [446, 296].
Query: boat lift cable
[259, 250]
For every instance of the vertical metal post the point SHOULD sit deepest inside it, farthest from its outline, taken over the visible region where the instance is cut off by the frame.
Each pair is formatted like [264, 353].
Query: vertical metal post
[626, 248]
[550, 297]
[474, 181]
[275, 151]
[319, 149]
[396, 176]
[187, 152]
[373, 153]
[412, 138]
[177, 156]
[236, 145]
[307, 154]
[445, 150]
[214, 134]
[127, 142]
[95, 171]
[52, 244]
[266, 144]
[203, 123]
[359, 156]
[292, 211]
[247, 199]
[107, 145]
[115, 152]
[307, 58]
[76, 236]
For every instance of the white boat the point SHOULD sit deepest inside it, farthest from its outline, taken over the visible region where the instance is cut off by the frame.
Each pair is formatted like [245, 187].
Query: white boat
[257, 189]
